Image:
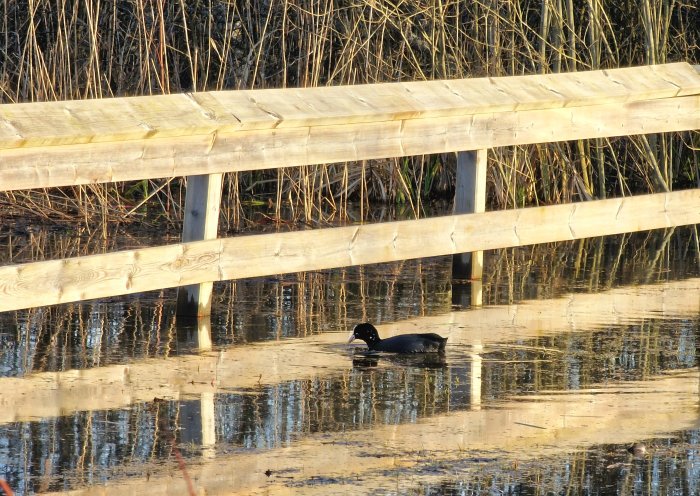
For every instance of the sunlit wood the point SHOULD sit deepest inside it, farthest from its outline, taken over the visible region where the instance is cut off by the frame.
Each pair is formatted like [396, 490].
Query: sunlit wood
[202, 206]
[81, 142]
[204, 333]
[151, 117]
[138, 270]
[470, 197]
[60, 165]
[51, 394]
[200, 134]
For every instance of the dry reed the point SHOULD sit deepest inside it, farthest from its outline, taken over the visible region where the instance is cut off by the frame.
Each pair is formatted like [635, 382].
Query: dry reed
[53, 49]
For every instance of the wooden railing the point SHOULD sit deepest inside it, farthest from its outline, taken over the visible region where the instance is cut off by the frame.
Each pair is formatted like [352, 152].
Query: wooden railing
[202, 135]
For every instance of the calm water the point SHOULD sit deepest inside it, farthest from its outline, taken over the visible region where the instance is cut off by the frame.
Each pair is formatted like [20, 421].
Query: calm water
[579, 350]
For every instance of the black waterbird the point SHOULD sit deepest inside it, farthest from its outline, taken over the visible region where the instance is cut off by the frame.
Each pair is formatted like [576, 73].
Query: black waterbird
[403, 343]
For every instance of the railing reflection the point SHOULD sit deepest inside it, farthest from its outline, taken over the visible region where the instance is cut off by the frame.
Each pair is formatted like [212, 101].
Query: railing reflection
[88, 374]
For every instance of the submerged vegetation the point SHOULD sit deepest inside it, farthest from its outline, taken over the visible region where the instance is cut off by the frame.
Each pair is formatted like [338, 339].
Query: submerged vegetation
[53, 50]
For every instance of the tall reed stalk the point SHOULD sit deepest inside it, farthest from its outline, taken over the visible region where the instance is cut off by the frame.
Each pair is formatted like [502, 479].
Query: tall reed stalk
[56, 49]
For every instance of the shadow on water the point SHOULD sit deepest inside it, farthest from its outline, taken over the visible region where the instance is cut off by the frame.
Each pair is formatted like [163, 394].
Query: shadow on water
[270, 399]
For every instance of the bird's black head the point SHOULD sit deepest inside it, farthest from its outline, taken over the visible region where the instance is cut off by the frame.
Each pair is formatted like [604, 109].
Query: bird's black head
[366, 332]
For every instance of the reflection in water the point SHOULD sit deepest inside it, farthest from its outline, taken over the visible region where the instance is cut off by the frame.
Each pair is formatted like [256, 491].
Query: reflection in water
[82, 448]
[95, 333]
[578, 361]
[92, 447]
[359, 399]
[671, 466]
[80, 336]
[420, 360]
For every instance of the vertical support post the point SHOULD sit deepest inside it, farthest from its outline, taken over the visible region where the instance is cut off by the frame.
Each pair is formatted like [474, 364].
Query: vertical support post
[470, 197]
[204, 333]
[202, 205]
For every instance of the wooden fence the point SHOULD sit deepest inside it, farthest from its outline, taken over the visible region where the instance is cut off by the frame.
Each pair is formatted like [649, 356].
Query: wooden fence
[202, 135]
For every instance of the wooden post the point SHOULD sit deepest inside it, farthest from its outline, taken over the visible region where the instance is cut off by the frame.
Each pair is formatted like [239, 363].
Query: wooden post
[202, 205]
[204, 333]
[470, 197]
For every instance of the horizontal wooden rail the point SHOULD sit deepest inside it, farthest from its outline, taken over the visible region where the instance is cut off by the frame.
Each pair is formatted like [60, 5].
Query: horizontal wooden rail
[83, 142]
[24, 168]
[133, 271]
[179, 115]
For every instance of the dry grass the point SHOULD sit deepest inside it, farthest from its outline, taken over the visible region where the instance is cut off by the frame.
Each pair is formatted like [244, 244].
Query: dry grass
[55, 49]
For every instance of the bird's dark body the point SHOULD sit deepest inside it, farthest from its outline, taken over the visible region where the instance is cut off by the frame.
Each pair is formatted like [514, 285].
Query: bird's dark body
[403, 343]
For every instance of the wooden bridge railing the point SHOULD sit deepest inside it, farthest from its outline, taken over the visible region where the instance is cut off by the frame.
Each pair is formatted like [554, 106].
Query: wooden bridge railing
[202, 135]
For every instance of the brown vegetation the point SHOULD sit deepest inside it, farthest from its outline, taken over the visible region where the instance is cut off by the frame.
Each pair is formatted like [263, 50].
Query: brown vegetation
[53, 49]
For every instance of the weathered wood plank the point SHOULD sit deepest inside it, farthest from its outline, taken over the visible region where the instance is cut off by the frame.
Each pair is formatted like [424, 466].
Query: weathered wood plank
[132, 271]
[202, 206]
[470, 197]
[470, 190]
[684, 77]
[25, 168]
[180, 115]
[645, 81]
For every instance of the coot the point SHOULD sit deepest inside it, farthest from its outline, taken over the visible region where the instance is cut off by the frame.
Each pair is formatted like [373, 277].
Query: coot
[403, 343]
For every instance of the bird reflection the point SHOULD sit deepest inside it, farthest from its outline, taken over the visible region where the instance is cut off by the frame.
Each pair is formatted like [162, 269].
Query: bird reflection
[425, 360]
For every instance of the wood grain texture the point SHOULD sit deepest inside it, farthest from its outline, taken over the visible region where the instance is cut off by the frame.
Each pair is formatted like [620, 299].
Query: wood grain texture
[24, 168]
[470, 197]
[202, 206]
[206, 113]
[132, 271]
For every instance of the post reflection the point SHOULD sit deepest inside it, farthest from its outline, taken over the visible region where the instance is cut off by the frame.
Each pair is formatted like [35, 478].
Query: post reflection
[101, 389]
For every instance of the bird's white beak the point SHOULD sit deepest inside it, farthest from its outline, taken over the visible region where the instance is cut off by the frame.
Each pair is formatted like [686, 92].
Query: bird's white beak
[351, 338]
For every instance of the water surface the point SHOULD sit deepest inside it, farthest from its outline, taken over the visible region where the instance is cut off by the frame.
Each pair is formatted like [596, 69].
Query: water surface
[579, 350]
